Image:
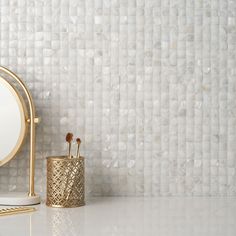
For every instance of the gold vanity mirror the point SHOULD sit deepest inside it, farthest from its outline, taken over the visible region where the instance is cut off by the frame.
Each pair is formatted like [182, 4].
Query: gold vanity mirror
[15, 120]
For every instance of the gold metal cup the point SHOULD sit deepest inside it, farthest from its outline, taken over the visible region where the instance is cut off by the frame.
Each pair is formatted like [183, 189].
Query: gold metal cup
[65, 181]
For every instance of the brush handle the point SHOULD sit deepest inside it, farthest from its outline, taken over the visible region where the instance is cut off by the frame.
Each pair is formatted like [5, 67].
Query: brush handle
[72, 186]
[16, 210]
[77, 153]
[69, 151]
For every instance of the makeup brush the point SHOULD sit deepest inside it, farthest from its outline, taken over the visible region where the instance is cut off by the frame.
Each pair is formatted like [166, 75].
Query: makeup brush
[69, 138]
[68, 193]
[78, 141]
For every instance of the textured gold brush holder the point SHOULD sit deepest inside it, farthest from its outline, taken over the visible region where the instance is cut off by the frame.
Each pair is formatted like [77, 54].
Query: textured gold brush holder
[65, 181]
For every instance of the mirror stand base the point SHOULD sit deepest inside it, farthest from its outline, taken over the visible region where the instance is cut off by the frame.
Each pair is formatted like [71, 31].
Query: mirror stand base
[18, 199]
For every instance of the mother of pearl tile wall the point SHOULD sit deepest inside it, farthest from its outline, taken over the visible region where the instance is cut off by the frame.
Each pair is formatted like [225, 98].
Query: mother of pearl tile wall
[148, 85]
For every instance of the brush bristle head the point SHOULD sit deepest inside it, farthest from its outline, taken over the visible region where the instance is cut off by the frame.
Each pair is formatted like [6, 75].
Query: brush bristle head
[78, 140]
[69, 137]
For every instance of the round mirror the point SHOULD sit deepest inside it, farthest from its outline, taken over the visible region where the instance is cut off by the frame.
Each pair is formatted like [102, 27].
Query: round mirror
[12, 121]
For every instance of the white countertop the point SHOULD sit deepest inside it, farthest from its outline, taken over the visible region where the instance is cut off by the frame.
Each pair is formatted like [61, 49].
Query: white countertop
[129, 216]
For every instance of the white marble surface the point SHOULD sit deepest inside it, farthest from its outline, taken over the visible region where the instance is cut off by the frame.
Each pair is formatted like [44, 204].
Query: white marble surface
[129, 216]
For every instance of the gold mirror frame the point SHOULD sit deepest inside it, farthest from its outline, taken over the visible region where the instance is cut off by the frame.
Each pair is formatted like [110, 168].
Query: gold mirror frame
[32, 120]
[24, 117]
